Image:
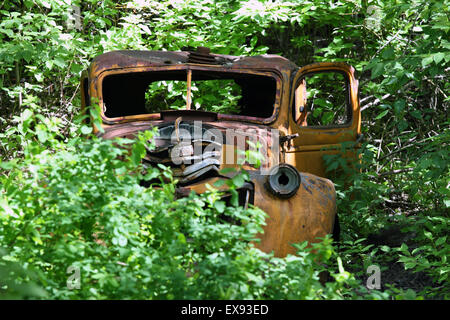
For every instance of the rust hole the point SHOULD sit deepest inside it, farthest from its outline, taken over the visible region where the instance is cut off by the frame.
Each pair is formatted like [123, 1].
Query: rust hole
[283, 179]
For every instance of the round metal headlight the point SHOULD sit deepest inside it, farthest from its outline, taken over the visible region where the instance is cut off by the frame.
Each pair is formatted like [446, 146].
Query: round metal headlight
[283, 180]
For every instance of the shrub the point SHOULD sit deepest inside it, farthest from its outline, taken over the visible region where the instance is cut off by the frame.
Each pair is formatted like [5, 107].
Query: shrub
[81, 210]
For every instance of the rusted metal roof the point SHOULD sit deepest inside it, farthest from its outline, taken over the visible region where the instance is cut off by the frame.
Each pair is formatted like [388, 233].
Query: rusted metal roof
[128, 58]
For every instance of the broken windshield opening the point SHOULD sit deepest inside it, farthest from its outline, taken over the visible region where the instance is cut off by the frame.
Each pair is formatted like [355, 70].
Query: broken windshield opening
[221, 92]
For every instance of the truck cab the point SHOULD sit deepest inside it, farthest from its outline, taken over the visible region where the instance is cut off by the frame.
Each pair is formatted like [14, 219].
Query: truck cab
[210, 109]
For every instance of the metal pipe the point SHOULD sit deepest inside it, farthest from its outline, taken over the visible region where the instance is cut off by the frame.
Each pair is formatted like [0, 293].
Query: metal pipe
[247, 198]
[188, 98]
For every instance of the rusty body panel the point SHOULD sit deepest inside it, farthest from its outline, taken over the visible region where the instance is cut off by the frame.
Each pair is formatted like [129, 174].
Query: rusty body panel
[308, 211]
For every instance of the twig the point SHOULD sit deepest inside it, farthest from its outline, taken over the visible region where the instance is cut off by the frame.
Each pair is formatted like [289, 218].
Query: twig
[366, 98]
[384, 46]
[403, 148]
[399, 203]
[437, 87]
[396, 172]
[375, 102]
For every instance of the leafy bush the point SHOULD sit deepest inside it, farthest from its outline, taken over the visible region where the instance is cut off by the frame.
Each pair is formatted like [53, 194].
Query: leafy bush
[82, 208]
[401, 54]
[374, 233]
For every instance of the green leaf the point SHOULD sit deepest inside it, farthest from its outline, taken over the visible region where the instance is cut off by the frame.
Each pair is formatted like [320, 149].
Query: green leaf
[26, 114]
[447, 203]
[49, 64]
[427, 60]
[327, 117]
[219, 183]
[225, 171]
[399, 106]
[86, 130]
[238, 180]
[416, 114]
[410, 265]
[42, 134]
[404, 248]
[428, 234]
[234, 198]
[437, 57]
[76, 68]
[410, 294]
[98, 125]
[220, 206]
[59, 62]
[138, 152]
[402, 125]
[441, 240]
[388, 53]
[181, 238]
[8, 165]
[382, 114]
[317, 112]
[377, 70]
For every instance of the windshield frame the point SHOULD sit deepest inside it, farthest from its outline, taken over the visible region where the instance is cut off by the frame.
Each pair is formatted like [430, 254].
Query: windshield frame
[220, 117]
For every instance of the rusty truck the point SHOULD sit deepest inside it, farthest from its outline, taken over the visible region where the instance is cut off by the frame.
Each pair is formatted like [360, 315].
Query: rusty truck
[298, 114]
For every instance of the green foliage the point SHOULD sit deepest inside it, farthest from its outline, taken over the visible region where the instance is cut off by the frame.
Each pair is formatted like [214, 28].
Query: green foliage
[400, 50]
[216, 96]
[10, 288]
[418, 237]
[327, 99]
[83, 207]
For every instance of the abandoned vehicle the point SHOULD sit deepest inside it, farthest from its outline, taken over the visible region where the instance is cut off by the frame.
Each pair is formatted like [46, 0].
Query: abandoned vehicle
[208, 106]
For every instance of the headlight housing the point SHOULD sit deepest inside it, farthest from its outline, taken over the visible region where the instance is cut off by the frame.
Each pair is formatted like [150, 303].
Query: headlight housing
[283, 180]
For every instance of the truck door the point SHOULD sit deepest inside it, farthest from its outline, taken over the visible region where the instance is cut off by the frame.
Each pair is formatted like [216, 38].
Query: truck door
[325, 114]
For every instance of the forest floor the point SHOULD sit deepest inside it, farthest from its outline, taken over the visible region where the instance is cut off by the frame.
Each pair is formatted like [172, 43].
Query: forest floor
[393, 272]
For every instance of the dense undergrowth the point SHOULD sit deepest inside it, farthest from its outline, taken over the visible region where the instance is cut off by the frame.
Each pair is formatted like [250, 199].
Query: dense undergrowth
[66, 202]
[76, 206]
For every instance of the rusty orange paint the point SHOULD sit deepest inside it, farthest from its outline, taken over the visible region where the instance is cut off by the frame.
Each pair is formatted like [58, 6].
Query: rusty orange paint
[310, 213]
